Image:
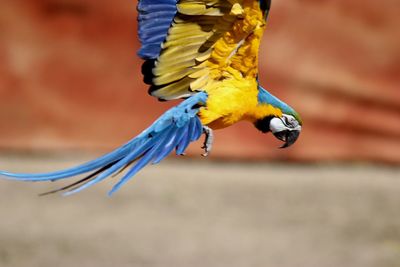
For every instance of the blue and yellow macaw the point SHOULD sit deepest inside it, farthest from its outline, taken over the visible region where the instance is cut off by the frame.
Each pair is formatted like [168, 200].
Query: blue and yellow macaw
[202, 51]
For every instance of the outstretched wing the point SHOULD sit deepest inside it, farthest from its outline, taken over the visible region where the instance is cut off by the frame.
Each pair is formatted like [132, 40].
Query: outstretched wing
[190, 45]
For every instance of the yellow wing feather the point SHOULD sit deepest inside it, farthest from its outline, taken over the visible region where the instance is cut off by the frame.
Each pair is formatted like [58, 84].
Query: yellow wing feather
[209, 40]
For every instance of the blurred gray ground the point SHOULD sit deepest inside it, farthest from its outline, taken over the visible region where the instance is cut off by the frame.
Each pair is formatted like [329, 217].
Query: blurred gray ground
[184, 214]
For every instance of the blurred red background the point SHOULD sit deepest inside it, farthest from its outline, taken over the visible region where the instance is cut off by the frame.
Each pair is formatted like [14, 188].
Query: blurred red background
[70, 79]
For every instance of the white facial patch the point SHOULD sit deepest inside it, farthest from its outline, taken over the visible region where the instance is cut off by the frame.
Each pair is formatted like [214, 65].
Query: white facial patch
[276, 125]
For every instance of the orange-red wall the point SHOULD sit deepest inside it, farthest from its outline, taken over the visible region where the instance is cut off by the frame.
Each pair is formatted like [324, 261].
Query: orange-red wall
[70, 79]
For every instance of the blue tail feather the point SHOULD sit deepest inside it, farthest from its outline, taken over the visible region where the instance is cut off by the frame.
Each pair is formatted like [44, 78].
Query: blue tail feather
[74, 171]
[162, 151]
[185, 140]
[141, 163]
[176, 128]
[114, 168]
[197, 131]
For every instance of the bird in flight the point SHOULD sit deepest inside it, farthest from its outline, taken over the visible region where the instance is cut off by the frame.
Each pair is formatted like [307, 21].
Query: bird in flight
[206, 53]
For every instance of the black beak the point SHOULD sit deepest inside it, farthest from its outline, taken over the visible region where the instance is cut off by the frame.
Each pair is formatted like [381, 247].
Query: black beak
[289, 137]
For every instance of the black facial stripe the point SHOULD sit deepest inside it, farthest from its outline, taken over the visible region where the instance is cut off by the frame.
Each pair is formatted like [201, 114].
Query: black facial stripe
[263, 124]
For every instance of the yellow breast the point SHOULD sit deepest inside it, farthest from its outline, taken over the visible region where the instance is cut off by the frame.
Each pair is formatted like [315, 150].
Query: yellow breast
[231, 101]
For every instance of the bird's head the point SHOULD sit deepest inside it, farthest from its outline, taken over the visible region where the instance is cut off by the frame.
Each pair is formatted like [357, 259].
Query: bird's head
[285, 127]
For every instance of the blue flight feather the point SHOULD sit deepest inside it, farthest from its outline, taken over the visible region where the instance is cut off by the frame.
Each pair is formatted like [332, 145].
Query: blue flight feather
[175, 129]
[155, 18]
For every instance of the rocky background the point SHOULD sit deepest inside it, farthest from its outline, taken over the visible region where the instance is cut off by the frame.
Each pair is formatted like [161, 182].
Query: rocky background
[70, 79]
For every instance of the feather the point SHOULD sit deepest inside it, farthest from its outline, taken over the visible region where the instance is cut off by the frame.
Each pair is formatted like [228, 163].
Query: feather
[176, 128]
[155, 17]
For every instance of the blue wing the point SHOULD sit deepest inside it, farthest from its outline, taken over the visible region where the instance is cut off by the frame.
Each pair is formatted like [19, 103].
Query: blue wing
[155, 17]
[175, 129]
